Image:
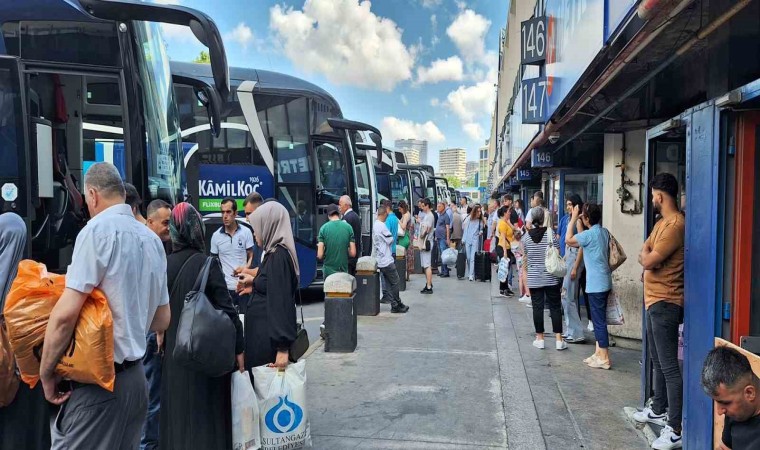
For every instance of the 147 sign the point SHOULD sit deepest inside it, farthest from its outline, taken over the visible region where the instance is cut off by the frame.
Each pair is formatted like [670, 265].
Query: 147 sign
[533, 41]
[534, 100]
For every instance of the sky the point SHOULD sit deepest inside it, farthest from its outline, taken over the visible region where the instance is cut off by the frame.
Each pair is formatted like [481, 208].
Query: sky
[422, 69]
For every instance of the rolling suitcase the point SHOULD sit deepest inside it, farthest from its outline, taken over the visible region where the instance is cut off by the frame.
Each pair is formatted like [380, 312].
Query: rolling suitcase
[461, 263]
[482, 265]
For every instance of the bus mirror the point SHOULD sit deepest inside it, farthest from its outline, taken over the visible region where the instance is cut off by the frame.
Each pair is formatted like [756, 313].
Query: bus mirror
[378, 140]
[210, 99]
[43, 157]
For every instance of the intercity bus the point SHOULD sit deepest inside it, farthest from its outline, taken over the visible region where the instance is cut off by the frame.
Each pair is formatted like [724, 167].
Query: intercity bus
[281, 137]
[83, 81]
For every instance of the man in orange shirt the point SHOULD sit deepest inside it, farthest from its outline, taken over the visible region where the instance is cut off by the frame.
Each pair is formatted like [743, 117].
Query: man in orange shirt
[662, 258]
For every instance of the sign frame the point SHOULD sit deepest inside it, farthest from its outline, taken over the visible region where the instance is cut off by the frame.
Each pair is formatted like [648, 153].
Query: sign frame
[533, 41]
[541, 158]
[534, 100]
[524, 174]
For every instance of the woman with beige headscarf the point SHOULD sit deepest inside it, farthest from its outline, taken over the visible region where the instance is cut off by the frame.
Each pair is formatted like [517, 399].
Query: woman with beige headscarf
[270, 321]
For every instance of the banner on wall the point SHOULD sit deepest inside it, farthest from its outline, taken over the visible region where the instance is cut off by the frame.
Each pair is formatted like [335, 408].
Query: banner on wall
[216, 182]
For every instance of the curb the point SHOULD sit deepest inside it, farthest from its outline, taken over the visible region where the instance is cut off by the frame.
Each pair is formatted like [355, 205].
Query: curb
[645, 430]
[313, 347]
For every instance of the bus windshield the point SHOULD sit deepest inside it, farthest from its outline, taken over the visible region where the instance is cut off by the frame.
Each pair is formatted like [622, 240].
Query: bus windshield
[161, 116]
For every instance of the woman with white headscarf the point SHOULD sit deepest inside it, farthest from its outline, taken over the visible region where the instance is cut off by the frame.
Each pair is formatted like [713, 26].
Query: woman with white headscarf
[270, 321]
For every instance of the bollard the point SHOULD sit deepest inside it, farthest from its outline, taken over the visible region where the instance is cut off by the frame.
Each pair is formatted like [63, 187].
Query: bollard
[401, 267]
[417, 262]
[367, 299]
[340, 314]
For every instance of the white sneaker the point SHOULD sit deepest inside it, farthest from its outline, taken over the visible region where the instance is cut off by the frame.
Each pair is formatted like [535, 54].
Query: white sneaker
[648, 416]
[539, 344]
[590, 326]
[561, 345]
[668, 440]
[529, 305]
[524, 299]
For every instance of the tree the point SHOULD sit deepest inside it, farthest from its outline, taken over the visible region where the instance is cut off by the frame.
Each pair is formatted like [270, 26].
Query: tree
[454, 182]
[203, 58]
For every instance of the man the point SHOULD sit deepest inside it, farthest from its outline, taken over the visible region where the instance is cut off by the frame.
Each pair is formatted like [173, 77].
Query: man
[391, 223]
[253, 201]
[125, 260]
[234, 246]
[491, 224]
[662, 258]
[538, 202]
[335, 243]
[565, 220]
[463, 208]
[134, 201]
[427, 231]
[382, 239]
[456, 225]
[443, 236]
[728, 378]
[353, 219]
[158, 215]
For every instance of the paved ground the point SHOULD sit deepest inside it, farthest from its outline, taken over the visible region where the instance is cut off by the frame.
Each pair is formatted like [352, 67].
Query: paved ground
[459, 371]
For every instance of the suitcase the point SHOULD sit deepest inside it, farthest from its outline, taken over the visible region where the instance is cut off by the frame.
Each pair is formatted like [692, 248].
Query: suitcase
[461, 263]
[482, 265]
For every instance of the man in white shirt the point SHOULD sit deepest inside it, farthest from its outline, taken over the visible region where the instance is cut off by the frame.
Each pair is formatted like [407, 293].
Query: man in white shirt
[234, 246]
[538, 202]
[382, 240]
[126, 260]
[463, 207]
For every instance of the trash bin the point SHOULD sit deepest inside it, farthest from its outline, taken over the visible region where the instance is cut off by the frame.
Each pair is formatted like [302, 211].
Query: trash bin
[340, 314]
[367, 299]
[401, 267]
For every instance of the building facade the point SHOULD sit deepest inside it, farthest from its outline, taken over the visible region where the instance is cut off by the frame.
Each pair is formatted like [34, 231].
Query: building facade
[452, 162]
[420, 146]
[483, 166]
[471, 169]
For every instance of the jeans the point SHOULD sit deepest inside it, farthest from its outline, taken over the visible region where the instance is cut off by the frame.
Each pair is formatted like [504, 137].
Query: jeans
[550, 295]
[573, 325]
[598, 301]
[443, 246]
[470, 248]
[240, 301]
[663, 320]
[152, 362]
[391, 285]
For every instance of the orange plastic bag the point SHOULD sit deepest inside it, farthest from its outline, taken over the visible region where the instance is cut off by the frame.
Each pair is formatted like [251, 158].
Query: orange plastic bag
[89, 357]
[8, 377]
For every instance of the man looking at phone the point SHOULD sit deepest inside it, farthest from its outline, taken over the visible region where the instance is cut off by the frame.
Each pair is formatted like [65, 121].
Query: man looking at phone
[234, 246]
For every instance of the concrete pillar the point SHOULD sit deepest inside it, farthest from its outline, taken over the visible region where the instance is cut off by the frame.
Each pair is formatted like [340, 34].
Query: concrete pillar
[401, 267]
[340, 314]
[367, 300]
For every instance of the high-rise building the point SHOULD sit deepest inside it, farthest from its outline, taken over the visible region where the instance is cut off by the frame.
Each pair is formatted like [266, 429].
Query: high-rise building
[472, 168]
[453, 162]
[412, 155]
[483, 169]
[413, 144]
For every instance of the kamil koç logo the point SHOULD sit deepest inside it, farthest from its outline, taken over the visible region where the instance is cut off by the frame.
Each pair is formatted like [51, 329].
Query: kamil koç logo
[284, 417]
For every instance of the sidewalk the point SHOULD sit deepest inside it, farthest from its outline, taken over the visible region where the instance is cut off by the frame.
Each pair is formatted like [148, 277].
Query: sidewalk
[459, 371]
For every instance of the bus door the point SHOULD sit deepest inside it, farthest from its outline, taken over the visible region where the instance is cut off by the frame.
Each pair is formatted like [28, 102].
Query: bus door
[417, 188]
[331, 176]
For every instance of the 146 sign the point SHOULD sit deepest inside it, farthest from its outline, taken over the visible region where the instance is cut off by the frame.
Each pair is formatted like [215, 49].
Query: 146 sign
[541, 158]
[533, 41]
[534, 100]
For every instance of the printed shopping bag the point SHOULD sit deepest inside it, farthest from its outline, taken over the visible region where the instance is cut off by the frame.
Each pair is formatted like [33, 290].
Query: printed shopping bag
[246, 434]
[614, 310]
[503, 269]
[282, 406]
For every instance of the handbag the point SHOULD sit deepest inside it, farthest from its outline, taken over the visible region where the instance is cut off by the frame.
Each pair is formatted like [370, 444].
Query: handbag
[554, 263]
[401, 231]
[403, 241]
[301, 344]
[205, 336]
[617, 255]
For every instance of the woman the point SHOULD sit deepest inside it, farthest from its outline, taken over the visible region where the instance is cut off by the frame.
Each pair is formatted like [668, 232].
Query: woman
[407, 223]
[473, 230]
[270, 321]
[505, 236]
[195, 409]
[595, 244]
[571, 284]
[544, 287]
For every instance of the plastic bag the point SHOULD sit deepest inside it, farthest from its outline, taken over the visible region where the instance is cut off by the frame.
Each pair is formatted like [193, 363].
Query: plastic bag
[614, 310]
[282, 405]
[8, 377]
[246, 434]
[449, 257]
[503, 269]
[89, 357]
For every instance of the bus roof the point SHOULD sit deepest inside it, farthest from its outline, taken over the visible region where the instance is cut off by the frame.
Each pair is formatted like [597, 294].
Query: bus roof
[265, 80]
[63, 10]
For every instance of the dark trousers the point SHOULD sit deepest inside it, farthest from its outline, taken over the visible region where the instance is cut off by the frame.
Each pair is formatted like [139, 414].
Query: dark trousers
[391, 285]
[240, 301]
[663, 320]
[550, 295]
[598, 301]
[352, 266]
[152, 362]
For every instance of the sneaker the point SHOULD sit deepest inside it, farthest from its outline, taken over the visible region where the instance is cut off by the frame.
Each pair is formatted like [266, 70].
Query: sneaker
[472, 279]
[590, 326]
[668, 440]
[400, 309]
[649, 416]
[597, 363]
[571, 340]
[524, 299]
[561, 345]
[509, 293]
[445, 275]
[426, 290]
[529, 305]
[539, 344]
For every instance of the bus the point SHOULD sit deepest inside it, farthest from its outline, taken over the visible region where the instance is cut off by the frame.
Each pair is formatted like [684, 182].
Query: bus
[83, 81]
[282, 137]
[424, 184]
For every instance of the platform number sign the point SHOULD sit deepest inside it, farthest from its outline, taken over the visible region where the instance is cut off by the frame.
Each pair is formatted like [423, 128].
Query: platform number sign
[533, 40]
[541, 158]
[534, 100]
[524, 175]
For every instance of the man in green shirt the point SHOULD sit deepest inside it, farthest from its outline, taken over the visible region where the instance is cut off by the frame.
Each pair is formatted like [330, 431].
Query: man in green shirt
[335, 243]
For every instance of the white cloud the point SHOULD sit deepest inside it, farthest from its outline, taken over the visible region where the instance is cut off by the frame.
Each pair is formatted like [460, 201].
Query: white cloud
[468, 32]
[434, 102]
[394, 128]
[344, 41]
[470, 102]
[434, 40]
[242, 34]
[450, 69]
[474, 131]
[431, 3]
[404, 101]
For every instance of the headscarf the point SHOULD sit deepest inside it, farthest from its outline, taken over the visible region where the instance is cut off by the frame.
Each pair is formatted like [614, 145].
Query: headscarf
[186, 228]
[12, 242]
[271, 223]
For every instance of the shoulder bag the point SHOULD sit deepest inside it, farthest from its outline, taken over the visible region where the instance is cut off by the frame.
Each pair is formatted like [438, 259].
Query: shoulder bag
[299, 347]
[205, 336]
[554, 263]
[617, 255]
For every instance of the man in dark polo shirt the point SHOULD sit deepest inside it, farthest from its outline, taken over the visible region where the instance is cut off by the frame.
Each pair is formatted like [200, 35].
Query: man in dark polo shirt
[353, 219]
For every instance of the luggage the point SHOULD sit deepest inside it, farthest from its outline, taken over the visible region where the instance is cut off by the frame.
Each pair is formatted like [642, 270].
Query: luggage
[461, 263]
[483, 266]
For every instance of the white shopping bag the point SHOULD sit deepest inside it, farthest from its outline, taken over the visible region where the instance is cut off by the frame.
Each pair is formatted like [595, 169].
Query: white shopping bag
[449, 257]
[614, 310]
[503, 269]
[246, 434]
[282, 403]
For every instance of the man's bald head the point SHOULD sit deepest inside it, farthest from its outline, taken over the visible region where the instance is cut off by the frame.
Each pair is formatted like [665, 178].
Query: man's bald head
[103, 187]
